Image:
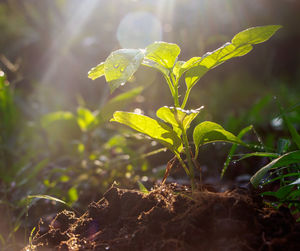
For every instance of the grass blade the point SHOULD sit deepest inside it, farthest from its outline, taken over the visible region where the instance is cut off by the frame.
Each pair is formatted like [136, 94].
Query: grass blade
[233, 148]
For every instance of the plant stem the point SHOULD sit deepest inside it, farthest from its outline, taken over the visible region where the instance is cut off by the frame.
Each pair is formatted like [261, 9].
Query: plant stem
[171, 87]
[187, 93]
[174, 90]
[183, 164]
[189, 158]
[176, 98]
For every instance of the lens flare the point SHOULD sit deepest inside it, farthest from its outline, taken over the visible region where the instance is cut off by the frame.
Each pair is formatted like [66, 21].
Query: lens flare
[139, 29]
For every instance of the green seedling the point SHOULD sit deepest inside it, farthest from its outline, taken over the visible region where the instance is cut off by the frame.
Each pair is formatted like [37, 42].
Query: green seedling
[170, 129]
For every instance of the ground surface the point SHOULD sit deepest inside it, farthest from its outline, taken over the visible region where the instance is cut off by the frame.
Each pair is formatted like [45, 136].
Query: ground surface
[170, 218]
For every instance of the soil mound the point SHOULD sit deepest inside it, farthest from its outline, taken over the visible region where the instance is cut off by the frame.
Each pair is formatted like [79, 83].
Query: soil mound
[171, 218]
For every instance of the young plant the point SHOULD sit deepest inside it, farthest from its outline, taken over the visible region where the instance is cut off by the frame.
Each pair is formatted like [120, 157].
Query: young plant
[170, 129]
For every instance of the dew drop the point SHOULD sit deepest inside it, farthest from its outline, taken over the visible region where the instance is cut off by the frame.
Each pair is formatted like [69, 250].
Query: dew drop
[116, 65]
[107, 247]
[122, 69]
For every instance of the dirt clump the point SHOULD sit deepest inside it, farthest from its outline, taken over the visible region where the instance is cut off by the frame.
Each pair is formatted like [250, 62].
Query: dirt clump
[171, 218]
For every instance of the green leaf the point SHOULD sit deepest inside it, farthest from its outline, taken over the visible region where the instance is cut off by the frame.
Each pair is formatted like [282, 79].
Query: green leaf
[105, 113]
[208, 132]
[96, 72]
[142, 188]
[46, 197]
[259, 154]
[121, 65]
[85, 119]
[194, 74]
[157, 66]
[177, 116]
[177, 70]
[155, 129]
[286, 159]
[162, 54]
[73, 194]
[48, 119]
[281, 194]
[240, 45]
[190, 63]
[283, 145]
[255, 35]
[181, 67]
[283, 177]
[213, 59]
[60, 126]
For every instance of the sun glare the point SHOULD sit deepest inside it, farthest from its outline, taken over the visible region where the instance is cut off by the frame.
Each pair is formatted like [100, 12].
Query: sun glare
[76, 15]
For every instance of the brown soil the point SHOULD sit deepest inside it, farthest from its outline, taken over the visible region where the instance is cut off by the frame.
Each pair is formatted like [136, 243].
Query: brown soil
[170, 218]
